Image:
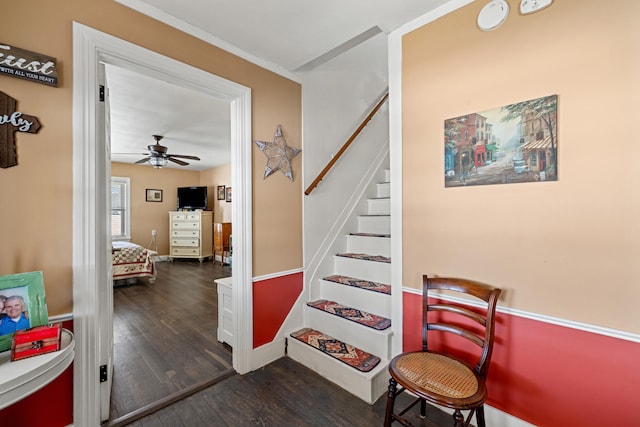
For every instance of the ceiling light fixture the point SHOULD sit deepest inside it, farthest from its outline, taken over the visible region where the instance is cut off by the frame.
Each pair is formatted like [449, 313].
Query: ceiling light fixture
[157, 162]
[531, 6]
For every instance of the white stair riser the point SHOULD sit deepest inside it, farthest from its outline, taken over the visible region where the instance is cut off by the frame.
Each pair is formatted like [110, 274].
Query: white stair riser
[363, 337]
[367, 270]
[383, 189]
[374, 224]
[369, 245]
[379, 206]
[351, 296]
[368, 386]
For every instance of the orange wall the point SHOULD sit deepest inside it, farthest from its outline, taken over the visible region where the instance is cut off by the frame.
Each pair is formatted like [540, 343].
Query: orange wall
[36, 214]
[212, 178]
[567, 249]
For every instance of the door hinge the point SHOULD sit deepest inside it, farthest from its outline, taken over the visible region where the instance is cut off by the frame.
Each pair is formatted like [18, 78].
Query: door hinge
[103, 373]
[101, 93]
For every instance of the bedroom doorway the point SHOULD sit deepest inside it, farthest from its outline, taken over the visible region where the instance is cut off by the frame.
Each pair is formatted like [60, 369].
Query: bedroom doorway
[92, 291]
[165, 344]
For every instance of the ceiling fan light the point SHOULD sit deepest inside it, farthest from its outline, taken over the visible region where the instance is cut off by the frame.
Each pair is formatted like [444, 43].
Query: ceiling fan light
[157, 162]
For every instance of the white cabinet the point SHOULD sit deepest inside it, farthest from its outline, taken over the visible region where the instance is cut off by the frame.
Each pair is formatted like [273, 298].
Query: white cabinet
[191, 235]
[225, 310]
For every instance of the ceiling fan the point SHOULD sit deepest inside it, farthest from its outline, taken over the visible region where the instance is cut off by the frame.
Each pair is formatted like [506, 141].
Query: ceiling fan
[158, 156]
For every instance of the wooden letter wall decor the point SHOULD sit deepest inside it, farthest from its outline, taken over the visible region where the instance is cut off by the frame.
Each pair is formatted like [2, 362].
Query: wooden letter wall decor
[12, 121]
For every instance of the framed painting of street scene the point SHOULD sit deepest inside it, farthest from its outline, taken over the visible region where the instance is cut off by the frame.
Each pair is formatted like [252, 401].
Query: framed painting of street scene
[509, 144]
[22, 304]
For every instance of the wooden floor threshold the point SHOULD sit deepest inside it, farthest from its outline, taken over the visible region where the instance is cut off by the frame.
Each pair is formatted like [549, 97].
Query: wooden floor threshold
[169, 400]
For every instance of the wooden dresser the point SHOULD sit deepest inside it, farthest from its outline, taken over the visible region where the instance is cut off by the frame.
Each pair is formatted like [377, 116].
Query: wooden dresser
[221, 233]
[190, 235]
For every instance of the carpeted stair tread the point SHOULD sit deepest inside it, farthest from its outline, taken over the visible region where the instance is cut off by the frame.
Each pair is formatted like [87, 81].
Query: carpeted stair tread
[361, 317]
[366, 257]
[360, 283]
[346, 353]
[370, 234]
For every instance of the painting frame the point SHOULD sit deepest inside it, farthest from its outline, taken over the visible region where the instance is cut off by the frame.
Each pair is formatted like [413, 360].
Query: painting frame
[514, 143]
[153, 195]
[29, 286]
[221, 192]
[228, 194]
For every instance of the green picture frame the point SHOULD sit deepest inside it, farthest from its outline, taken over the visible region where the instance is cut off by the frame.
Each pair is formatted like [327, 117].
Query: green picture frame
[29, 286]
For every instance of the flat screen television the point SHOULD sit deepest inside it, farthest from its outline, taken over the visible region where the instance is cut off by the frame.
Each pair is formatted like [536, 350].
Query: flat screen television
[192, 198]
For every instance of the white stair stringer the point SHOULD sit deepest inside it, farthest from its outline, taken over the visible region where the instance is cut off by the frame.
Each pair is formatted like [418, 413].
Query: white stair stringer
[368, 386]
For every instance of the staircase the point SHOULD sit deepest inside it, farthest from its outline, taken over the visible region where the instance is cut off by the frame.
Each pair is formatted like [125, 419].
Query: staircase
[347, 333]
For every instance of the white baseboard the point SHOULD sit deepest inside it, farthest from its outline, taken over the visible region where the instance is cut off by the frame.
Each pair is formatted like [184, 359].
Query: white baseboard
[267, 353]
[495, 418]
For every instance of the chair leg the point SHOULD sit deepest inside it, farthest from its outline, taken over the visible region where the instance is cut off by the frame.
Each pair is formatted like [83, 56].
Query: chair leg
[480, 416]
[458, 419]
[423, 409]
[391, 399]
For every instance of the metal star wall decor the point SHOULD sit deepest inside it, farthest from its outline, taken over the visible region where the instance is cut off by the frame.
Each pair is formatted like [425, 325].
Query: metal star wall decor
[279, 155]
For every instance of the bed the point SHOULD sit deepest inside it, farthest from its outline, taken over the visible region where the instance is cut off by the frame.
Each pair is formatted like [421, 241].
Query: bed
[130, 262]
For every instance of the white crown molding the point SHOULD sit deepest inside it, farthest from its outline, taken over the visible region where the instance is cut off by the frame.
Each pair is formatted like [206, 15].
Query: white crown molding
[172, 21]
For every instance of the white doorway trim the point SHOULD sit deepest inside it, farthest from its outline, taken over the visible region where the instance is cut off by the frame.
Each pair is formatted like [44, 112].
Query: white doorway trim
[91, 257]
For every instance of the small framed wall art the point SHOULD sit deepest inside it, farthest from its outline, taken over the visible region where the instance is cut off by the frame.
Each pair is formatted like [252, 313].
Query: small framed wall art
[154, 195]
[221, 192]
[228, 191]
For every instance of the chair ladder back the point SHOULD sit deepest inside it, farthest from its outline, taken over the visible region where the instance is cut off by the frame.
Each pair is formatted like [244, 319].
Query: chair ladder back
[486, 293]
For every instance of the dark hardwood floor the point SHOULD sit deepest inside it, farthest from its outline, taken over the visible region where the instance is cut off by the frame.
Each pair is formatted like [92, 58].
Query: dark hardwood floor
[284, 393]
[165, 335]
[166, 347]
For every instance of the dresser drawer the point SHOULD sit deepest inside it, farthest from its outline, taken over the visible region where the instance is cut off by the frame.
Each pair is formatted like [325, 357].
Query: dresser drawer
[185, 233]
[185, 242]
[195, 252]
[188, 225]
[178, 216]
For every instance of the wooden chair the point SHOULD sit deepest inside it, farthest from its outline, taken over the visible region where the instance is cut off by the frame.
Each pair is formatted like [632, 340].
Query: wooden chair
[438, 377]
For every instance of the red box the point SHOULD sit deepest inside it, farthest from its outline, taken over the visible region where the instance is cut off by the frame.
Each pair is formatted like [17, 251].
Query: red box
[35, 341]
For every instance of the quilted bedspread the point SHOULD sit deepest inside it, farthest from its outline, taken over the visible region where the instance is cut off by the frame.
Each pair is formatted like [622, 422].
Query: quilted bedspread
[131, 260]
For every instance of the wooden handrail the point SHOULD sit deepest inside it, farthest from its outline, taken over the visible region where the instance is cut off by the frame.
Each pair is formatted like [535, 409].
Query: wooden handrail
[335, 158]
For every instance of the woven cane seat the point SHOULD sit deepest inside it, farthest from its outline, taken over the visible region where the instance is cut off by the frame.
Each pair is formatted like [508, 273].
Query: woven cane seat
[438, 374]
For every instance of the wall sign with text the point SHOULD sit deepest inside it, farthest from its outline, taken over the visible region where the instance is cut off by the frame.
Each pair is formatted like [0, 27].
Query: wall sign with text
[24, 64]
[12, 121]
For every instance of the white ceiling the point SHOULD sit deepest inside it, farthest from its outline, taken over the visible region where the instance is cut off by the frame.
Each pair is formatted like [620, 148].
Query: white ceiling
[190, 122]
[286, 36]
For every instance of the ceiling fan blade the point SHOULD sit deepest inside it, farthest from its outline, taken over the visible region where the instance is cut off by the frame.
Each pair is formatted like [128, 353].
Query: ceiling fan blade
[146, 159]
[182, 156]
[180, 162]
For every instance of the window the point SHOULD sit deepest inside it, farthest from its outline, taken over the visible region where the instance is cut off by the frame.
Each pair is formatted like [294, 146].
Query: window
[120, 208]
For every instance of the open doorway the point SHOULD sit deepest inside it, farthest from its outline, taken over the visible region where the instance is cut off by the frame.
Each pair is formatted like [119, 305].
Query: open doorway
[165, 344]
[92, 289]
